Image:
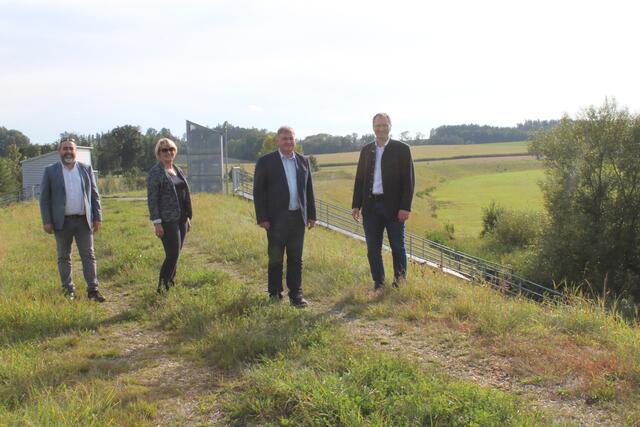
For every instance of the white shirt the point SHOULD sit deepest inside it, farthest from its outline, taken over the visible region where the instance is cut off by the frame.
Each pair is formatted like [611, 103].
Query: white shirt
[377, 170]
[73, 189]
[290, 168]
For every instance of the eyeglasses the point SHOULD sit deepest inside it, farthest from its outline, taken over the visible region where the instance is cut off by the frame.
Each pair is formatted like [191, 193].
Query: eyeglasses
[67, 139]
[166, 150]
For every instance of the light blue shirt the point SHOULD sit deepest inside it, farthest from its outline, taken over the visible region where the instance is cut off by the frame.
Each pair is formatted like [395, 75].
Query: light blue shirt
[290, 166]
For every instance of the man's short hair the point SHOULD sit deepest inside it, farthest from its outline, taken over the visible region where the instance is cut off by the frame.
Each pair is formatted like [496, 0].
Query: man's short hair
[384, 115]
[285, 129]
[66, 139]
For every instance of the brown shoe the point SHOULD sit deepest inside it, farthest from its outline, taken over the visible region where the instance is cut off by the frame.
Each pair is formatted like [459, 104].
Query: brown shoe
[96, 296]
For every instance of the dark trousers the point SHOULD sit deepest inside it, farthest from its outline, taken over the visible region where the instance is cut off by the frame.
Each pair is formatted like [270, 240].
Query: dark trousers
[76, 227]
[375, 221]
[286, 233]
[172, 240]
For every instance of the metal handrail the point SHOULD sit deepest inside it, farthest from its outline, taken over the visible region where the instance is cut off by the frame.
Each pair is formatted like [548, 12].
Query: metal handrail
[422, 250]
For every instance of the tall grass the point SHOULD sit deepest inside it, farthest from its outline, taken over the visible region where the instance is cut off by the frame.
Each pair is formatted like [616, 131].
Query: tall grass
[280, 365]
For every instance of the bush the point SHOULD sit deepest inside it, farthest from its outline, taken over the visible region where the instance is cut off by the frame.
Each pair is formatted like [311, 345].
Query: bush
[129, 181]
[437, 236]
[517, 229]
[490, 217]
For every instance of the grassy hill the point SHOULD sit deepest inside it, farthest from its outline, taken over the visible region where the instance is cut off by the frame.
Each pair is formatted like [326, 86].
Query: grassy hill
[437, 352]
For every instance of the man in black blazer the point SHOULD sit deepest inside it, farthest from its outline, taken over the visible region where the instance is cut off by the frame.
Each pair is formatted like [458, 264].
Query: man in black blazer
[383, 190]
[284, 203]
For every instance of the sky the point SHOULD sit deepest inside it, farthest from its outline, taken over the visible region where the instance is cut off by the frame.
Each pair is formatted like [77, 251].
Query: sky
[321, 67]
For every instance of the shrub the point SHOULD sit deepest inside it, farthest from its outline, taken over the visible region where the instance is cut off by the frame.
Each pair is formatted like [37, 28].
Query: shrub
[490, 217]
[437, 236]
[517, 229]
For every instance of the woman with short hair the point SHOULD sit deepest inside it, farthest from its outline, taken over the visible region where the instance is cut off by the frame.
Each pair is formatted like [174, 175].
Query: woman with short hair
[169, 202]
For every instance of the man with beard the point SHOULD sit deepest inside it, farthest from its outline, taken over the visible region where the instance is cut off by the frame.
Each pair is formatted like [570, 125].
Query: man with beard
[70, 209]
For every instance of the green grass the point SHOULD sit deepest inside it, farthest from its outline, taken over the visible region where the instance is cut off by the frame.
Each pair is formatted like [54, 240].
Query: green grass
[460, 201]
[275, 365]
[340, 386]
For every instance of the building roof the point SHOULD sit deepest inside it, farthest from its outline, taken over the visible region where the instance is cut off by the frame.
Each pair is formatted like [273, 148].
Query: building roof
[51, 153]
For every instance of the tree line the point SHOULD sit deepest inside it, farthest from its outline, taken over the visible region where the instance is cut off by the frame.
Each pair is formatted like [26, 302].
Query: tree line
[124, 149]
[476, 134]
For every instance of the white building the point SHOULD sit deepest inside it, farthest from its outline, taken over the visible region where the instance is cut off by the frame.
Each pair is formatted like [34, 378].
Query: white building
[33, 169]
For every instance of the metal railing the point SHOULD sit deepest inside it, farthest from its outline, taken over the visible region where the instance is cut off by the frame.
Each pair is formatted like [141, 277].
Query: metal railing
[21, 195]
[421, 250]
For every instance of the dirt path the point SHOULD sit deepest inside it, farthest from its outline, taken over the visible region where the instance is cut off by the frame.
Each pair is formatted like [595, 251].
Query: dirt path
[173, 383]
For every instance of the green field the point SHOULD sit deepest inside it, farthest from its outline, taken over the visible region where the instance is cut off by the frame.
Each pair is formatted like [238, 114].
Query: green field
[460, 201]
[214, 351]
[438, 151]
[452, 191]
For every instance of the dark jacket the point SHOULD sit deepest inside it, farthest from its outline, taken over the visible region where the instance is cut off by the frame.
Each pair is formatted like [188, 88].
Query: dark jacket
[271, 192]
[162, 196]
[53, 195]
[398, 178]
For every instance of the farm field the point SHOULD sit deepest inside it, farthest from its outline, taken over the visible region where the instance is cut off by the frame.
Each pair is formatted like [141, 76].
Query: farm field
[215, 352]
[452, 191]
[438, 151]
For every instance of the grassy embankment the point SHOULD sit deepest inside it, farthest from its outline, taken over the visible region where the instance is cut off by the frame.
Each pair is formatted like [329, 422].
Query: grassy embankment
[70, 363]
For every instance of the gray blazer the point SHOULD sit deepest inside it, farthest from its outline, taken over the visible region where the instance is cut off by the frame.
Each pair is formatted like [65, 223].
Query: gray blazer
[162, 196]
[53, 195]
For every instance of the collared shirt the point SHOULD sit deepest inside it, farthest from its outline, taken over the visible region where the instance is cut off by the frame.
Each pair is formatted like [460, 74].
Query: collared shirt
[290, 166]
[74, 204]
[377, 170]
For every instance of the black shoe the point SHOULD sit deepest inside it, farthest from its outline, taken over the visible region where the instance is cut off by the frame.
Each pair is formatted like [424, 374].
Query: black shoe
[298, 302]
[163, 286]
[69, 294]
[275, 297]
[378, 286]
[95, 295]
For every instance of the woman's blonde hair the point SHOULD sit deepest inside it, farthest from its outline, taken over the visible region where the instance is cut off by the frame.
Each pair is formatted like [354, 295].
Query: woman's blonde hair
[164, 141]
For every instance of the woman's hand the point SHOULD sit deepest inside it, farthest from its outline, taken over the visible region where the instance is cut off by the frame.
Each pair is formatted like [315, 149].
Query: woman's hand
[188, 225]
[159, 230]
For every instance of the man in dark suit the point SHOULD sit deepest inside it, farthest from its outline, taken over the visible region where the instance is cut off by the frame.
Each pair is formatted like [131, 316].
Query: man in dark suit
[284, 203]
[383, 190]
[70, 209]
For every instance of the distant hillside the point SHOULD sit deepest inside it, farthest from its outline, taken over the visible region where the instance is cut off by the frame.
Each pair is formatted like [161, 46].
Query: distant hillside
[476, 134]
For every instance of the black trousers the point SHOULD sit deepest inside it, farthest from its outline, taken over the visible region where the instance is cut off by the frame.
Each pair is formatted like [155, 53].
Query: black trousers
[286, 234]
[172, 240]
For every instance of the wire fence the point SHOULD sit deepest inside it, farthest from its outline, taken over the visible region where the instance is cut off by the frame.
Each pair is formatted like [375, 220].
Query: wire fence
[421, 250]
[10, 197]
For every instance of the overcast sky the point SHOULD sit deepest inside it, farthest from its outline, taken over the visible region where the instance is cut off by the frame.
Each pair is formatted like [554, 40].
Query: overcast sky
[321, 66]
